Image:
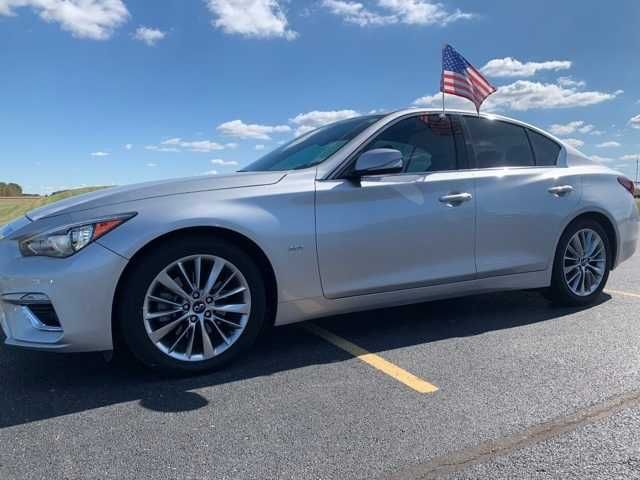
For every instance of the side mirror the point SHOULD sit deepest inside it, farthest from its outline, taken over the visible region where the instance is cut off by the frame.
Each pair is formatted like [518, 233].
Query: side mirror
[378, 161]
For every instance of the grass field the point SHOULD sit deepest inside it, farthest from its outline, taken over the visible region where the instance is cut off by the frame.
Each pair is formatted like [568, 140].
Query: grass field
[13, 207]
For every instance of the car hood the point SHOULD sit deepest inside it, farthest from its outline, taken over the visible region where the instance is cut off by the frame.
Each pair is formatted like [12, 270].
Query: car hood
[115, 195]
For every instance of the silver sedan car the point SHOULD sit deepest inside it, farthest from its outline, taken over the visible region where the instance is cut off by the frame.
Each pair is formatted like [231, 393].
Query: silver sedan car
[373, 211]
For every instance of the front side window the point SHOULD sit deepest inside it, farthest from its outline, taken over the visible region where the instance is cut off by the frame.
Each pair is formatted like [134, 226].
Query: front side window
[426, 143]
[314, 147]
[498, 144]
[545, 149]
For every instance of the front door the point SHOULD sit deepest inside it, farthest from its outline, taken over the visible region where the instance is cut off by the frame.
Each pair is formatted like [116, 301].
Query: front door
[400, 231]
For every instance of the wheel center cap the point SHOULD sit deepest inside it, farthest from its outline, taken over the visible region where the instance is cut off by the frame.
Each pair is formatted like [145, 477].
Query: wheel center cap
[584, 262]
[199, 307]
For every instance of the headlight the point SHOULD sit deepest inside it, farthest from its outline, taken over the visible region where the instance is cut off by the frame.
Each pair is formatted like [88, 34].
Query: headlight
[67, 240]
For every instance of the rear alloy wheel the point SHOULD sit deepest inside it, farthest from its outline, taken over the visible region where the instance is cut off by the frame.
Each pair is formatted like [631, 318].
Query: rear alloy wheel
[582, 264]
[198, 311]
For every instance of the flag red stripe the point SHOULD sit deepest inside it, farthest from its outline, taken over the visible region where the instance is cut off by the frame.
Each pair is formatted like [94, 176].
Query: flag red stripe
[461, 94]
[460, 87]
[480, 78]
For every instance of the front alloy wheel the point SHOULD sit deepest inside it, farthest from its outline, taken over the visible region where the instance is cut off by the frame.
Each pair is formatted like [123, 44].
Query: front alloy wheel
[191, 305]
[197, 307]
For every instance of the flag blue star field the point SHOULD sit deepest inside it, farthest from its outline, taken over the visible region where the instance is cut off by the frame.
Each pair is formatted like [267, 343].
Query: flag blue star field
[461, 78]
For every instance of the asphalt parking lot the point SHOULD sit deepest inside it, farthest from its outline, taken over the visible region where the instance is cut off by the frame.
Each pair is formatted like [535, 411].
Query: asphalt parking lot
[493, 386]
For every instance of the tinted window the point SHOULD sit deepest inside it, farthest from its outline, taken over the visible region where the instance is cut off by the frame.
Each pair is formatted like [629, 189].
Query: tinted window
[426, 143]
[545, 149]
[499, 144]
[314, 147]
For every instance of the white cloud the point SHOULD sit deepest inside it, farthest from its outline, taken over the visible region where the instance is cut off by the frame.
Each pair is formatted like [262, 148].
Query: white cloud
[259, 147]
[100, 154]
[634, 157]
[211, 172]
[231, 145]
[93, 19]
[571, 127]
[524, 95]
[221, 162]
[150, 36]
[599, 159]
[511, 67]
[251, 18]
[608, 145]
[157, 148]
[570, 82]
[178, 145]
[128, 146]
[388, 12]
[574, 142]
[635, 121]
[152, 165]
[305, 122]
[451, 102]
[239, 129]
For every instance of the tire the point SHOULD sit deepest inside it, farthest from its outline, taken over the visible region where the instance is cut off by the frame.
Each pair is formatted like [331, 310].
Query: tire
[566, 290]
[145, 297]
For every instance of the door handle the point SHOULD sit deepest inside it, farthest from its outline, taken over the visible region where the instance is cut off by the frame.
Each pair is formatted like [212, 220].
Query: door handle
[561, 190]
[455, 199]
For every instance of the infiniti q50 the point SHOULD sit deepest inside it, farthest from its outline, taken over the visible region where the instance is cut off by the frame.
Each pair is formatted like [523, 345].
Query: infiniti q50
[368, 212]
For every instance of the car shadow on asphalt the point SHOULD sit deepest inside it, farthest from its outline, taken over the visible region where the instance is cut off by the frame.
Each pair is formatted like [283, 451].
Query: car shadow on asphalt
[37, 386]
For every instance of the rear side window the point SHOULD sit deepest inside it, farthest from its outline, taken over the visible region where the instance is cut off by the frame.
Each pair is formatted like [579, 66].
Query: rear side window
[426, 143]
[498, 144]
[545, 149]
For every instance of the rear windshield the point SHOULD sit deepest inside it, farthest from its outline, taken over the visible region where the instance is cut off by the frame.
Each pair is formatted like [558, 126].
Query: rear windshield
[314, 147]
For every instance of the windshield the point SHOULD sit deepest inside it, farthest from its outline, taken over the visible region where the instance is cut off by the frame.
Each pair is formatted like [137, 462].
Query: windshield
[314, 147]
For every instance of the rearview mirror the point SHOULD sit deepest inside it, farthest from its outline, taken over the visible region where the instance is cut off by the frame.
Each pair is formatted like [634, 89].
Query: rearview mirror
[378, 161]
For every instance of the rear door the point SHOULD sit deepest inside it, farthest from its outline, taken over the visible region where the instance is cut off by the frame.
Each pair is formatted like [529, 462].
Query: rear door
[523, 197]
[392, 232]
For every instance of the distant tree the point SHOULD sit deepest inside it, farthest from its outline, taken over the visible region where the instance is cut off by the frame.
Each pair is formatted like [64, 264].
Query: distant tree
[10, 189]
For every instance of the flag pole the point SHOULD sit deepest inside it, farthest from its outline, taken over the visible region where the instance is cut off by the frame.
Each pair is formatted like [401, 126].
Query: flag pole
[445, 114]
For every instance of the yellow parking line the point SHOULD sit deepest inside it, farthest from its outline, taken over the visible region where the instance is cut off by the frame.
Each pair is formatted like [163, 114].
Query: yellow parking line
[374, 360]
[620, 292]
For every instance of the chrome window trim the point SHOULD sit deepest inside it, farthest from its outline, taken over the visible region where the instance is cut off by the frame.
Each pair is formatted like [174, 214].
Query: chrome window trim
[339, 171]
[327, 169]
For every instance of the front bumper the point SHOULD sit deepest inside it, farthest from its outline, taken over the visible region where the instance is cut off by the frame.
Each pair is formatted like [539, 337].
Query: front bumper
[80, 289]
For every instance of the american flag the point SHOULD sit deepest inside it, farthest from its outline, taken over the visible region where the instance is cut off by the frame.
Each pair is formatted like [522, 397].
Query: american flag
[461, 78]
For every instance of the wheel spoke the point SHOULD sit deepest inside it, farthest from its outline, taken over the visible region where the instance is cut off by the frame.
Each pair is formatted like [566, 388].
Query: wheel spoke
[162, 332]
[186, 277]
[224, 320]
[578, 245]
[232, 308]
[570, 269]
[226, 282]
[172, 285]
[220, 332]
[189, 350]
[151, 316]
[595, 246]
[180, 337]
[230, 293]
[571, 249]
[164, 300]
[217, 268]
[207, 347]
[197, 272]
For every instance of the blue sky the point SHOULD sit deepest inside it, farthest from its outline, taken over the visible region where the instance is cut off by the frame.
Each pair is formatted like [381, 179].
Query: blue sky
[96, 92]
